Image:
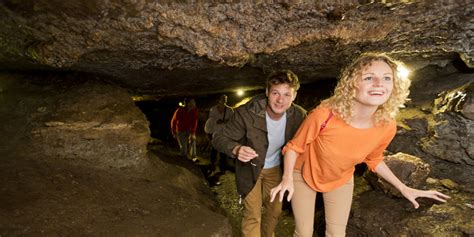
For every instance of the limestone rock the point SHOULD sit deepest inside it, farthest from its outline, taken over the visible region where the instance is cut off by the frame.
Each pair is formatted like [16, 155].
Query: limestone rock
[95, 124]
[430, 82]
[450, 138]
[457, 100]
[84, 123]
[411, 170]
[449, 184]
[408, 136]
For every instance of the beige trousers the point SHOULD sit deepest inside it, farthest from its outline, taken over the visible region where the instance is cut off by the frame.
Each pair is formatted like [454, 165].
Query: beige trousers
[337, 205]
[254, 223]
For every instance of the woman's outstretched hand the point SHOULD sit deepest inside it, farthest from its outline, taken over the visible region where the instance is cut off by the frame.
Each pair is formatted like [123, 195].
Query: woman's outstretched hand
[409, 193]
[412, 194]
[285, 185]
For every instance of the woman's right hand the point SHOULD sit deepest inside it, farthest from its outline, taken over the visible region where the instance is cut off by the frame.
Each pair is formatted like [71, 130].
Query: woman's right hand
[286, 184]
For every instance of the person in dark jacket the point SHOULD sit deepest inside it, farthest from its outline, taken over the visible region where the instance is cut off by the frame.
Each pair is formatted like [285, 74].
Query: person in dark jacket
[219, 114]
[255, 135]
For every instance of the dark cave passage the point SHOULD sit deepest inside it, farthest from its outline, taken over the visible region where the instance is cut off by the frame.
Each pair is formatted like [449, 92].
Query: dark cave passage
[159, 112]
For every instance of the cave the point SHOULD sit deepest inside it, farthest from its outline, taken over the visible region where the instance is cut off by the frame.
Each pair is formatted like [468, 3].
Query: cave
[88, 88]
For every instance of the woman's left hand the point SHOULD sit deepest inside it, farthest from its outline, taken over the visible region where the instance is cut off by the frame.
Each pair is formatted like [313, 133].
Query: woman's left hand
[412, 194]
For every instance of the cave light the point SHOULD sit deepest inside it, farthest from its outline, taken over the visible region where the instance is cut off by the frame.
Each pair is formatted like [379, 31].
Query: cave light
[240, 92]
[403, 72]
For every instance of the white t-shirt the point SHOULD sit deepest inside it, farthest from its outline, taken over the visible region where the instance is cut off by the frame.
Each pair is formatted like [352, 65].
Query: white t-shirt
[276, 140]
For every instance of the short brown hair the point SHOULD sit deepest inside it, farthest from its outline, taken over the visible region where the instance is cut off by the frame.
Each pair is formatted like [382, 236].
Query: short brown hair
[283, 77]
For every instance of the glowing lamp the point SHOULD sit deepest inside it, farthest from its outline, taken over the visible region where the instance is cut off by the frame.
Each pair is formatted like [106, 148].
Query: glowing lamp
[403, 72]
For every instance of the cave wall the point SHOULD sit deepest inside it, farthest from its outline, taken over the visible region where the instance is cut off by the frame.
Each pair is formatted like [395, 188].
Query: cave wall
[71, 118]
[437, 125]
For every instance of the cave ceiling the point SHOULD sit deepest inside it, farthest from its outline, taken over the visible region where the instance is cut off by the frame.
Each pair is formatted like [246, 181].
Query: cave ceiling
[184, 47]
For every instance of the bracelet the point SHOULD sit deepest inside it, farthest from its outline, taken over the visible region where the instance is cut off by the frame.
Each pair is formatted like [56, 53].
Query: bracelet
[237, 151]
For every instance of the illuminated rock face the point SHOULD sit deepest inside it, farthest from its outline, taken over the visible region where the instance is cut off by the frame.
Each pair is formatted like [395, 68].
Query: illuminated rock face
[167, 48]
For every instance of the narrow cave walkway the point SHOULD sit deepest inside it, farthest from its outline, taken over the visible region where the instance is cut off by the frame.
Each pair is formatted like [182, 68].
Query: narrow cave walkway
[222, 185]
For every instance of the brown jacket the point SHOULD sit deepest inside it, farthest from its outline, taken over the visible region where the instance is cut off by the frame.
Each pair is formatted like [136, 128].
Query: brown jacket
[248, 127]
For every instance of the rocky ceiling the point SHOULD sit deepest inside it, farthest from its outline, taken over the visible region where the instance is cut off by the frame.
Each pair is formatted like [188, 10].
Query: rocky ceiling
[180, 47]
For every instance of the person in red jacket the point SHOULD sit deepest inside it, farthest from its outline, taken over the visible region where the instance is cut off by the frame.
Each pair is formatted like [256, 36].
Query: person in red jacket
[183, 128]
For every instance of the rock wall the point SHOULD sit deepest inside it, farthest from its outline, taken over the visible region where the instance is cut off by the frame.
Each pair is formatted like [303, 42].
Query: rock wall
[84, 123]
[437, 125]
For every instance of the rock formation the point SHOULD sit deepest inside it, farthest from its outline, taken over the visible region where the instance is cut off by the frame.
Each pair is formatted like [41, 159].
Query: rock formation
[167, 47]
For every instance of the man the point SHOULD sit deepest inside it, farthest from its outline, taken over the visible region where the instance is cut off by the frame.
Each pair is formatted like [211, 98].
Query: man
[218, 116]
[183, 128]
[255, 135]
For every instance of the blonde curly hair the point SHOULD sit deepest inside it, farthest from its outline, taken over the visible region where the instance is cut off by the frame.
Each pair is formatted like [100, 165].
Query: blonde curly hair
[342, 100]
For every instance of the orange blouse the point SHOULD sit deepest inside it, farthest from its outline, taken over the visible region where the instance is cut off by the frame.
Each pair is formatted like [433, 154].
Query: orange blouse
[330, 157]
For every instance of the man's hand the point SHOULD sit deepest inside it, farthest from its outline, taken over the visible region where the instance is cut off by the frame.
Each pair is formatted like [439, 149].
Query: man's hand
[244, 153]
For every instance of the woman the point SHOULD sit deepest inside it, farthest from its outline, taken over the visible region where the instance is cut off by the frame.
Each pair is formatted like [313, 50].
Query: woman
[355, 125]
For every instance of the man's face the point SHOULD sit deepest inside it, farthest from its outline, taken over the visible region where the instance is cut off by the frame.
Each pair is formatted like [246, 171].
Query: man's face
[280, 98]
